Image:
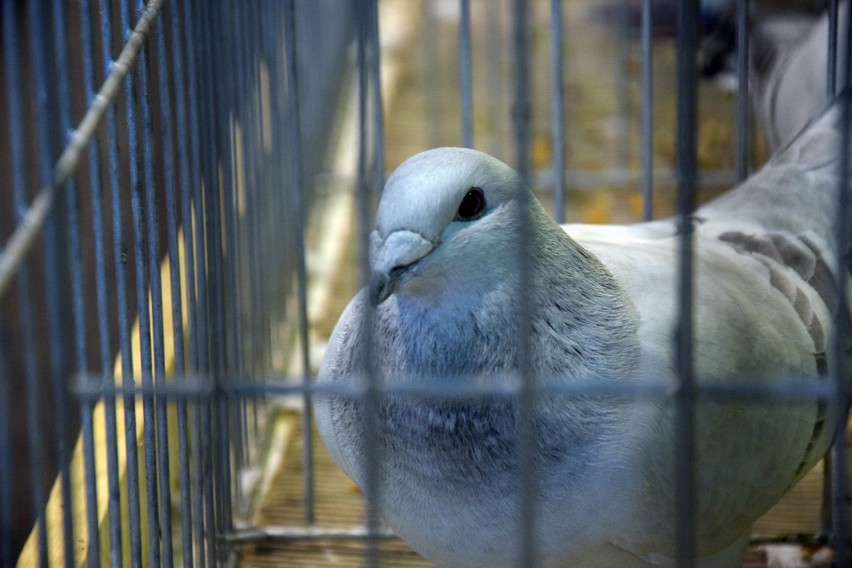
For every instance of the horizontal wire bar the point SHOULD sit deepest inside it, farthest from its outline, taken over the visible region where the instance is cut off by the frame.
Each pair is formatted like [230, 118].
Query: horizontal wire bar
[244, 536]
[806, 389]
[21, 241]
[792, 388]
[86, 387]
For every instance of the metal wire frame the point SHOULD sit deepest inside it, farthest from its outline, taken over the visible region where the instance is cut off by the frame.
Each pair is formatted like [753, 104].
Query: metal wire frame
[838, 490]
[175, 154]
[160, 197]
[687, 37]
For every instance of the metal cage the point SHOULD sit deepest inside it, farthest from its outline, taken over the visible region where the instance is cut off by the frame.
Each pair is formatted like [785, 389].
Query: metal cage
[187, 183]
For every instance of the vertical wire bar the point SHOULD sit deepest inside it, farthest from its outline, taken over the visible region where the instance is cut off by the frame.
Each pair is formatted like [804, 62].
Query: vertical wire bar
[221, 272]
[279, 169]
[215, 258]
[195, 272]
[203, 189]
[686, 175]
[264, 197]
[521, 108]
[622, 86]
[143, 309]
[297, 184]
[248, 250]
[17, 147]
[173, 247]
[265, 200]
[56, 345]
[828, 481]
[276, 171]
[261, 344]
[206, 178]
[157, 437]
[234, 371]
[231, 440]
[465, 75]
[647, 113]
[378, 106]
[187, 169]
[831, 69]
[242, 332]
[431, 54]
[238, 435]
[219, 510]
[269, 202]
[557, 102]
[75, 261]
[743, 155]
[252, 59]
[495, 95]
[101, 302]
[842, 325]
[371, 401]
[161, 432]
[836, 461]
[122, 304]
[529, 395]
[6, 473]
[31, 405]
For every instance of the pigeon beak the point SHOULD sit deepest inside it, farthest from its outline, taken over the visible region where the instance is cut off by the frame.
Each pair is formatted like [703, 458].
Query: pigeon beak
[391, 259]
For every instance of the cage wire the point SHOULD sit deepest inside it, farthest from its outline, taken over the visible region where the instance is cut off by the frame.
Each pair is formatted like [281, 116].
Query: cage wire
[189, 192]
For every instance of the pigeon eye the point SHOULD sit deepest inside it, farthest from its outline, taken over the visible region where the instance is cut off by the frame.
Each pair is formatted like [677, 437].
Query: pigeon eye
[472, 206]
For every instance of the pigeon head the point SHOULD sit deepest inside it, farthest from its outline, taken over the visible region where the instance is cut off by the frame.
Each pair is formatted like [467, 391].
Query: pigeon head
[444, 216]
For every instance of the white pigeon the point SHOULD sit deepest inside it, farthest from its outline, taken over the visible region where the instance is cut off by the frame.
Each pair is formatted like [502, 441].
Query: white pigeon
[603, 305]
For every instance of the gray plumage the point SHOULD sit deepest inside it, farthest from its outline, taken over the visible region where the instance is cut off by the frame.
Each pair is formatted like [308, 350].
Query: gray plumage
[602, 309]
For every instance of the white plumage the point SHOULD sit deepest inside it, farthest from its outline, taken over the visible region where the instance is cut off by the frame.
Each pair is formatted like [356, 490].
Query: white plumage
[789, 75]
[451, 228]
